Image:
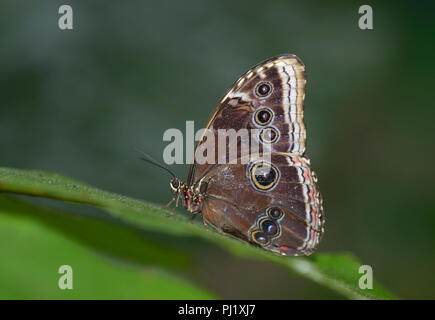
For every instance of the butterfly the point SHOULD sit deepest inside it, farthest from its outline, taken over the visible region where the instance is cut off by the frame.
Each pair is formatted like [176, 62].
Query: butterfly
[273, 204]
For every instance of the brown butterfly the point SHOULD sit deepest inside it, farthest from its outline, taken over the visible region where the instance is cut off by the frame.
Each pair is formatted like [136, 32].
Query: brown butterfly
[273, 204]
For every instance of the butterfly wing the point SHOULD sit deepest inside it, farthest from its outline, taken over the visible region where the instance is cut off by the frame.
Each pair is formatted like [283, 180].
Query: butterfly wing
[268, 97]
[282, 214]
[286, 74]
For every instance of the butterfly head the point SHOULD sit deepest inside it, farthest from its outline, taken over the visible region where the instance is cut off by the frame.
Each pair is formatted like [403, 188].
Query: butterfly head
[175, 184]
[189, 197]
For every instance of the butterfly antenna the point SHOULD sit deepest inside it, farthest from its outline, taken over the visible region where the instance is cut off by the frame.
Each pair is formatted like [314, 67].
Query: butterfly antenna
[149, 159]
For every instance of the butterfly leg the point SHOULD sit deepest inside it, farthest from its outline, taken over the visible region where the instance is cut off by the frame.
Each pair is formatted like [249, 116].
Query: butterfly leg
[169, 203]
[176, 206]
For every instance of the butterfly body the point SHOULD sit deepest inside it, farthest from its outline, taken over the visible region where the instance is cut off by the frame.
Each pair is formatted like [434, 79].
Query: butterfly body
[274, 203]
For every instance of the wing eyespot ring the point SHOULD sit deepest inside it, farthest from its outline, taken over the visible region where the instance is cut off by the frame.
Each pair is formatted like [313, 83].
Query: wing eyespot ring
[269, 227]
[263, 116]
[264, 176]
[269, 135]
[263, 89]
[275, 213]
[259, 237]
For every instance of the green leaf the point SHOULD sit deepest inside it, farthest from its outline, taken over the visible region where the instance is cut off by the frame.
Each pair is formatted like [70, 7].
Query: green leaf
[338, 272]
[32, 253]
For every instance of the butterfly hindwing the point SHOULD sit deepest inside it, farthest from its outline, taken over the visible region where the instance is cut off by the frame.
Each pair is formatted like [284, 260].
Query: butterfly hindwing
[239, 204]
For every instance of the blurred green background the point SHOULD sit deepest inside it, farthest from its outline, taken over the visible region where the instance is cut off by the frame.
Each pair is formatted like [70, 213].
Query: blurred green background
[76, 102]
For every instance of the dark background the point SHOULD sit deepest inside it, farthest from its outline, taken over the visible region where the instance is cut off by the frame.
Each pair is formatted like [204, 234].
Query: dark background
[76, 102]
